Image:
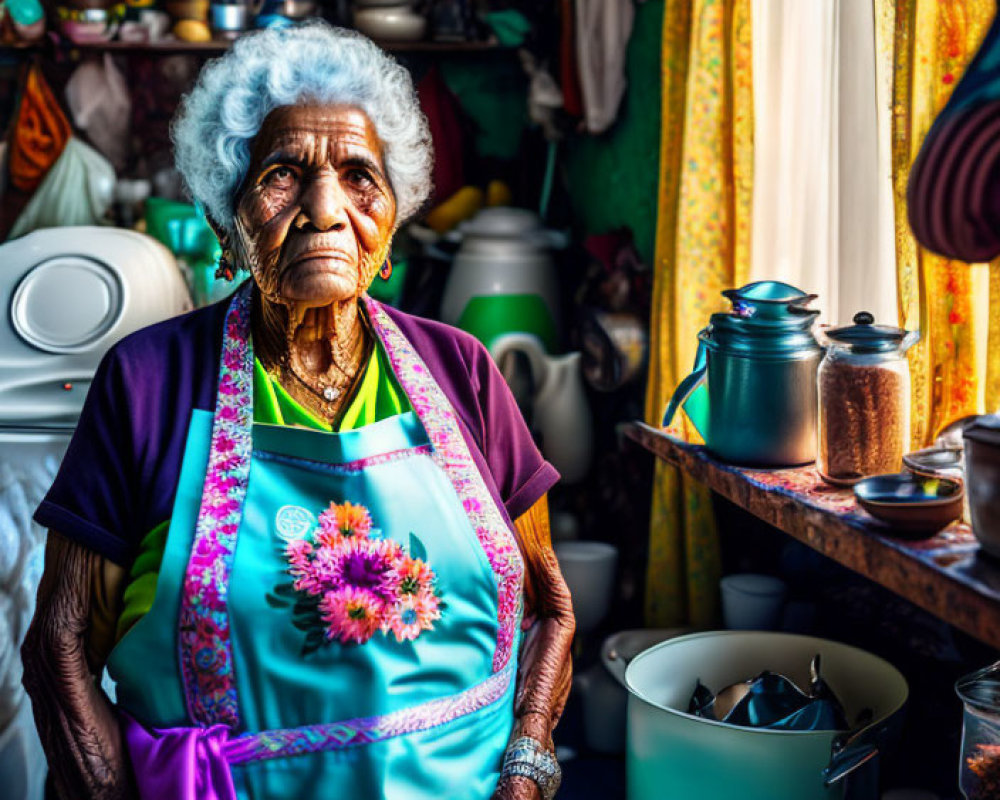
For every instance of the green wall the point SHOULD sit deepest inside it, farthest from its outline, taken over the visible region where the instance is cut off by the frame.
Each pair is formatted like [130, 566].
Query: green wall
[612, 177]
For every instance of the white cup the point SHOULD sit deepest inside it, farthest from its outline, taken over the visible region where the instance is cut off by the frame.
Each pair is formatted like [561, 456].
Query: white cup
[589, 570]
[752, 602]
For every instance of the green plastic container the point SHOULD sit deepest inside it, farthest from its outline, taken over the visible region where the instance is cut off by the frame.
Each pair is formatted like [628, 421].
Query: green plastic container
[182, 227]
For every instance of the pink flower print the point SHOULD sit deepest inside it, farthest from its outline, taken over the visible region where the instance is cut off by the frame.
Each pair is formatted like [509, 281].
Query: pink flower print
[224, 443]
[364, 584]
[213, 596]
[228, 386]
[369, 565]
[228, 463]
[221, 508]
[298, 551]
[227, 530]
[346, 518]
[412, 615]
[229, 413]
[415, 577]
[472, 505]
[328, 537]
[218, 485]
[351, 614]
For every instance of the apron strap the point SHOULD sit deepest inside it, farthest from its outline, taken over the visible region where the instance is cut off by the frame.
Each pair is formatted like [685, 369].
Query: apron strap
[451, 454]
[204, 643]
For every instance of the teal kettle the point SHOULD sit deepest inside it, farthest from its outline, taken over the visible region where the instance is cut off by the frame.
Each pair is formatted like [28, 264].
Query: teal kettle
[752, 392]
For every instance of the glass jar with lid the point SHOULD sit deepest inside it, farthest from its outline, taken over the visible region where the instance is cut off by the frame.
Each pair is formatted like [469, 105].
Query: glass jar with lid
[979, 768]
[864, 400]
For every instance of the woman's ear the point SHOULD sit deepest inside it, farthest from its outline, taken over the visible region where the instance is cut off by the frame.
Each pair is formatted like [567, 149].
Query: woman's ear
[226, 268]
[220, 232]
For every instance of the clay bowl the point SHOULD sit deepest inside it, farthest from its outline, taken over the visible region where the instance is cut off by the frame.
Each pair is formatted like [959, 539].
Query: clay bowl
[936, 462]
[914, 506]
[188, 9]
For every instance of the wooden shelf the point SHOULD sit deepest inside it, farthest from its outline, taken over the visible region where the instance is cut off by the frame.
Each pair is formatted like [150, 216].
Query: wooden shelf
[214, 47]
[946, 575]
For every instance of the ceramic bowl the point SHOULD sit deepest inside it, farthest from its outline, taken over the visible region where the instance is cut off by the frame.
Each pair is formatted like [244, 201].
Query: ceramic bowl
[398, 23]
[88, 31]
[936, 462]
[188, 9]
[910, 504]
[295, 9]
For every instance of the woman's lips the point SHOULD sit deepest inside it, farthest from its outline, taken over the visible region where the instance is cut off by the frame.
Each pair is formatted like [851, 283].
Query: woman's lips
[302, 260]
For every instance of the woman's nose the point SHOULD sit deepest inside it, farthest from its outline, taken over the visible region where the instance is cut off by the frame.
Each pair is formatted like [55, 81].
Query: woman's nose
[324, 203]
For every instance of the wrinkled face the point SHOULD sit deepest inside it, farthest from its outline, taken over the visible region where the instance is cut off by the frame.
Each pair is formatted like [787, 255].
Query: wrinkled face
[315, 214]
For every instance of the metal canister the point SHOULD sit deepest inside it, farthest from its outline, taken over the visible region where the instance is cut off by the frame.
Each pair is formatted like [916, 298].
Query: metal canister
[752, 394]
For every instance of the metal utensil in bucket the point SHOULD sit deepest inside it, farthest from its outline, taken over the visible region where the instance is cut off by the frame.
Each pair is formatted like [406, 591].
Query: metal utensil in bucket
[675, 754]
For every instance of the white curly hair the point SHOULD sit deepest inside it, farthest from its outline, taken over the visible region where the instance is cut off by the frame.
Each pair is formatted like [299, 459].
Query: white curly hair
[217, 121]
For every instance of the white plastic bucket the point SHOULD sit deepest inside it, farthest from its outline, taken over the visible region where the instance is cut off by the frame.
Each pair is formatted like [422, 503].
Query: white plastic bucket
[673, 754]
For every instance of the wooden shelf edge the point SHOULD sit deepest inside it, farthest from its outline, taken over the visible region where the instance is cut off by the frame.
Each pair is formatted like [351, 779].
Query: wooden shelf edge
[172, 47]
[886, 561]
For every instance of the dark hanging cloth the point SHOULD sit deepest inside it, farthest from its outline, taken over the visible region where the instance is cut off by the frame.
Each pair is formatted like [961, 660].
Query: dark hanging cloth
[953, 195]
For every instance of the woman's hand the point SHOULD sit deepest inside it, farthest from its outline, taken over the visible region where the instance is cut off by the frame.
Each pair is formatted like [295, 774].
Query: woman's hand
[75, 720]
[517, 787]
[545, 668]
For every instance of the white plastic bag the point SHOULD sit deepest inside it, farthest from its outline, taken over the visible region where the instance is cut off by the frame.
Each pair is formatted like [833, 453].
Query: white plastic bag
[100, 106]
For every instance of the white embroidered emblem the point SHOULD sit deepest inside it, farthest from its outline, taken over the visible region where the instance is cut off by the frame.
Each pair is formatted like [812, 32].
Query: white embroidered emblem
[294, 522]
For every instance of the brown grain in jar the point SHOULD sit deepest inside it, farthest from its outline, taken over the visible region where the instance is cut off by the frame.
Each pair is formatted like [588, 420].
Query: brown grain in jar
[863, 418]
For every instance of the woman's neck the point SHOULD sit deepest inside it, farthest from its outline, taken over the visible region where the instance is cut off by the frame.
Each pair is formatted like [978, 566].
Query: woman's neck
[316, 353]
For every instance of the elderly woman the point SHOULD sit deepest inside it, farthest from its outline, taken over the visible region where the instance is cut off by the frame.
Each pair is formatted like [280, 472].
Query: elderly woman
[303, 531]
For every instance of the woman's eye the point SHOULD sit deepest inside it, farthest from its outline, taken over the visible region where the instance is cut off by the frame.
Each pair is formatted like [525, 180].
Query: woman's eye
[280, 177]
[359, 177]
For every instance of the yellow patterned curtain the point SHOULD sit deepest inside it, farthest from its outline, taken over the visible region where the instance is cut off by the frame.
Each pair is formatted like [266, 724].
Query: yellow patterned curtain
[956, 366]
[702, 247]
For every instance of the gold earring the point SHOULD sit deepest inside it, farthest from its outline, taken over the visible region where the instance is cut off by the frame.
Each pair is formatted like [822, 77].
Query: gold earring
[225, 268]
[386, 271]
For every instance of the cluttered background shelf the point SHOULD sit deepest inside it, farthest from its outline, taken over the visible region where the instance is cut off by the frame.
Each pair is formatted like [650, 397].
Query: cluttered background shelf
[217, 47]
[946, 574]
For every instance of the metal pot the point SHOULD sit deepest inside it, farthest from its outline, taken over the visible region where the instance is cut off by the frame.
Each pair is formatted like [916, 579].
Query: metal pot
[982, 480]
[672, 753]
[752, 394]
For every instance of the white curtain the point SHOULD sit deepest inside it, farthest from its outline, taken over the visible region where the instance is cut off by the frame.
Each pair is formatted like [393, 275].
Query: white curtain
[822, 206]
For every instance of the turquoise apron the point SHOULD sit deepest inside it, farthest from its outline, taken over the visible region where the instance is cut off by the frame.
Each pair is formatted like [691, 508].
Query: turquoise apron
[336, 614]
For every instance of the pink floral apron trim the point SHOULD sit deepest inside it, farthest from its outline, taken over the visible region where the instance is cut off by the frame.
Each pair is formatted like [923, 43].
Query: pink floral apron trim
[351, 467]
[285, 742]
[452, 454]
[206, 654]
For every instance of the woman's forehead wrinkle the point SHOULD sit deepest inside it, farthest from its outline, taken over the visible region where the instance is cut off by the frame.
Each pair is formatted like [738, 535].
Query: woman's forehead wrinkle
[310, 144]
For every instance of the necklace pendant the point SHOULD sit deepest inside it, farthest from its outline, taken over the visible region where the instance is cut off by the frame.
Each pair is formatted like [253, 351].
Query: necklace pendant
[330, 394]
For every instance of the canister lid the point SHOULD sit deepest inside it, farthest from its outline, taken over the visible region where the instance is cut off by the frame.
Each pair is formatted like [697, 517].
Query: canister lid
[768, 300]
[768, 320]
[864, 336]
[981, 689]
[985, 429]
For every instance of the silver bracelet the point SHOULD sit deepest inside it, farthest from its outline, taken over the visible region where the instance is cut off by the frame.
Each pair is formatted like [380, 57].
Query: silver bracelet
[528, 757]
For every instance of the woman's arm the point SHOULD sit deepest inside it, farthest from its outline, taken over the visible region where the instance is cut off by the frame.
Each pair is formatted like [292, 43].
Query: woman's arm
[75, 720]
[546, 667]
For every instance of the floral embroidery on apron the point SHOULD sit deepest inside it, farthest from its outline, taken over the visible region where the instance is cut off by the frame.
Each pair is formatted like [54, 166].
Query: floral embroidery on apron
[354, 583]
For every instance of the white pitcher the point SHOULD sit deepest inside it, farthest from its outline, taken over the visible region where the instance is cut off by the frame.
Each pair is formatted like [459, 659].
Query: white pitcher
[561, 414]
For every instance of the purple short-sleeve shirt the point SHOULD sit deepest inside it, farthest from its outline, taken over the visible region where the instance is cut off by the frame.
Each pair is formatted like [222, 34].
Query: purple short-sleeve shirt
[119, 476]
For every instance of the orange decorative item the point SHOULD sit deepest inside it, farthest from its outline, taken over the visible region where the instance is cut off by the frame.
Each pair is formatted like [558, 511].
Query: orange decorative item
[40, 134]
[386, 272]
